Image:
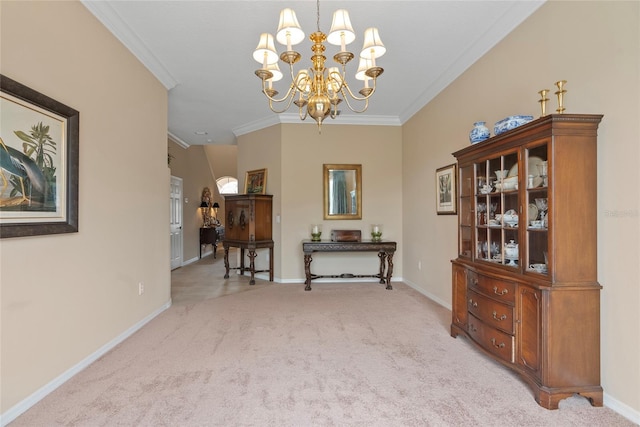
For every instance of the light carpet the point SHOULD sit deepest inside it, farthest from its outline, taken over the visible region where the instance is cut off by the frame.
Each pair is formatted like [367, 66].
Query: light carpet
[349, 354]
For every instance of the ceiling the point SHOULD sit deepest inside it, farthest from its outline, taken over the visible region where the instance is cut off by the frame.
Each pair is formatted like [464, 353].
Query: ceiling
[201, 51]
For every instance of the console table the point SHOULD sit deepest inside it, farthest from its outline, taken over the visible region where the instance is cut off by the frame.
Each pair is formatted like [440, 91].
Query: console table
[209, 236]
[385, 253]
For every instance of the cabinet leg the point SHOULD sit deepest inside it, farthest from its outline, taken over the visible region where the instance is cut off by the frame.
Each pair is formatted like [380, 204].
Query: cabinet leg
[226, 261]
[252, 266]
[307, 271]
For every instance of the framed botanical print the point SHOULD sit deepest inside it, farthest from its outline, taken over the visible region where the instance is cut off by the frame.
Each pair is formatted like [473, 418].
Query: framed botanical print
[39, 143]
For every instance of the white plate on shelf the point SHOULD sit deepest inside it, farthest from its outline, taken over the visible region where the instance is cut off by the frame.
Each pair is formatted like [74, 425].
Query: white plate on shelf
[533, 212]
[533, 168]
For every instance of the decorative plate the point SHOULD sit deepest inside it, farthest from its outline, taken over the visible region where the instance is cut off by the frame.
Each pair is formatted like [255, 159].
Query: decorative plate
[533, 212]
[533, 167]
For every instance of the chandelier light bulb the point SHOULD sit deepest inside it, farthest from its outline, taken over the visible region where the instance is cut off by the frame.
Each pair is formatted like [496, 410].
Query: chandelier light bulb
[289, 32]
[363, 66]
[373, 47]
[275, 70]
[265, 53]
[341, 33]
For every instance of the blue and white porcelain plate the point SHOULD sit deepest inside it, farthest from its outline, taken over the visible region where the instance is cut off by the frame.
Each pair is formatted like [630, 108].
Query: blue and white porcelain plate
[509, 123]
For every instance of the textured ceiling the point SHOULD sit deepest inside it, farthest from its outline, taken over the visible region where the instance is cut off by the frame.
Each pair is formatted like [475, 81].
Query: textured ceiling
[202, 52]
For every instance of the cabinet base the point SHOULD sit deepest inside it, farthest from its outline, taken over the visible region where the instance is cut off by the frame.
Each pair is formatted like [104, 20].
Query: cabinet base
[548, 398]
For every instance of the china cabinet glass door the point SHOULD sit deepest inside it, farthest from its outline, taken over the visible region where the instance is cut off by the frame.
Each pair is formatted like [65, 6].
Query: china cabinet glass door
[537, 225]
[465, 216]
[496, 207]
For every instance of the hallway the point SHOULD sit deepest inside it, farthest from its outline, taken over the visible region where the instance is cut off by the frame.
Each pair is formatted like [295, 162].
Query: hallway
[204, 279]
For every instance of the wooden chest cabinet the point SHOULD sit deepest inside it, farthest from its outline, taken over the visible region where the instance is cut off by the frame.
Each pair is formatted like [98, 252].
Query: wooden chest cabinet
[248, 217]
[525, 290]
[248, 227]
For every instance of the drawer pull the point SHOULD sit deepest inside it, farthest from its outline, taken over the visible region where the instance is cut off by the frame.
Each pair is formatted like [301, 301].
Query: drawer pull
[495, 316]
[472, 302]
[502, 292]
[472, 327]
[493, 343]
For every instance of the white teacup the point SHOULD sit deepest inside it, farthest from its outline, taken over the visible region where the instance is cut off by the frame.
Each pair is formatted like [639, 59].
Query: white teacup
[537, 224]
[539, 268]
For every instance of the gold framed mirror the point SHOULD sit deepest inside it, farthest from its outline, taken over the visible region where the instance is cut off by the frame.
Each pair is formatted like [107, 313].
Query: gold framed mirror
[342, 185]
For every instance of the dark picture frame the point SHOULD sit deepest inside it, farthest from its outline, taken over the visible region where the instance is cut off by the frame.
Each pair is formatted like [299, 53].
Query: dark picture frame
[446, 190]
[38, 168]
[255, 182]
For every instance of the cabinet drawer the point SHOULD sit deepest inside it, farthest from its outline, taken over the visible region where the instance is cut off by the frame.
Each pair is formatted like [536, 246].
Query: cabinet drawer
[494, 313]
[504, 291]
[494, 341]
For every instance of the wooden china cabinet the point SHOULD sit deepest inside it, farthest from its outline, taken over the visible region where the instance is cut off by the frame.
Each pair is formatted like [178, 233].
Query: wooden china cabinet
[525, 288]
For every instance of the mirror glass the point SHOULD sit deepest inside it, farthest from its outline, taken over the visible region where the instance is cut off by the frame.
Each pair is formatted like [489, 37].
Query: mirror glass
[342, 191]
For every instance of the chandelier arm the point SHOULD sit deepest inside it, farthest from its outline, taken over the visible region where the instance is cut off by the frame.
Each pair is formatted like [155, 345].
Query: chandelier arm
[295, 80]
[290, 95]
[342, 78]
[300, 108]
[359, 98]
[346, 99]
[334, 111]
[277, 100]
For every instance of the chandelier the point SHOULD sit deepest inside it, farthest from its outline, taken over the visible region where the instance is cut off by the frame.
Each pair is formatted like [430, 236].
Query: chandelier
[317, 91]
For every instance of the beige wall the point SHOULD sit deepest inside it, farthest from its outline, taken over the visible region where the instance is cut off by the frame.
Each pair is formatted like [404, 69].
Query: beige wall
[65, 296]
[294, 155]
[595, 46]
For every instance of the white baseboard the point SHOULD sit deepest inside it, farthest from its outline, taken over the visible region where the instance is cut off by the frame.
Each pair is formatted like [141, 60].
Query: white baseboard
[621, 408]
[429, 295]
[41, 393]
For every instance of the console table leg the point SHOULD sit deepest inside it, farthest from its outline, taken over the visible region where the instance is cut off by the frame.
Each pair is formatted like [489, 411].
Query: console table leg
[226, 261]
[307, 271]
[252, 266]
[389, 269]
[242, 261]
[382, 256]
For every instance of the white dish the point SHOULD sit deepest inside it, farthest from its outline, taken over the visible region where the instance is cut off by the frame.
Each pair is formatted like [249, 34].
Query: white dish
[533, 212]
[533, 167]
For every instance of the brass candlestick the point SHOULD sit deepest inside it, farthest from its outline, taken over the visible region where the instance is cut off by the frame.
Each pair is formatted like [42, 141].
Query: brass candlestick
[543, 101]
[560, 94]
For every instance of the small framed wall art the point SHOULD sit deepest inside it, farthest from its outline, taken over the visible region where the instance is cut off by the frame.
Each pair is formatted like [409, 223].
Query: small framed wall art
[446, 197]
[255, 182]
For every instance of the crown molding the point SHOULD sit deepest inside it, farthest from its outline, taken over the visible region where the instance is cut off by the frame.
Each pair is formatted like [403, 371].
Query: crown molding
[292, 118]
[103, 11]
[175, 139]
[512, 16]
